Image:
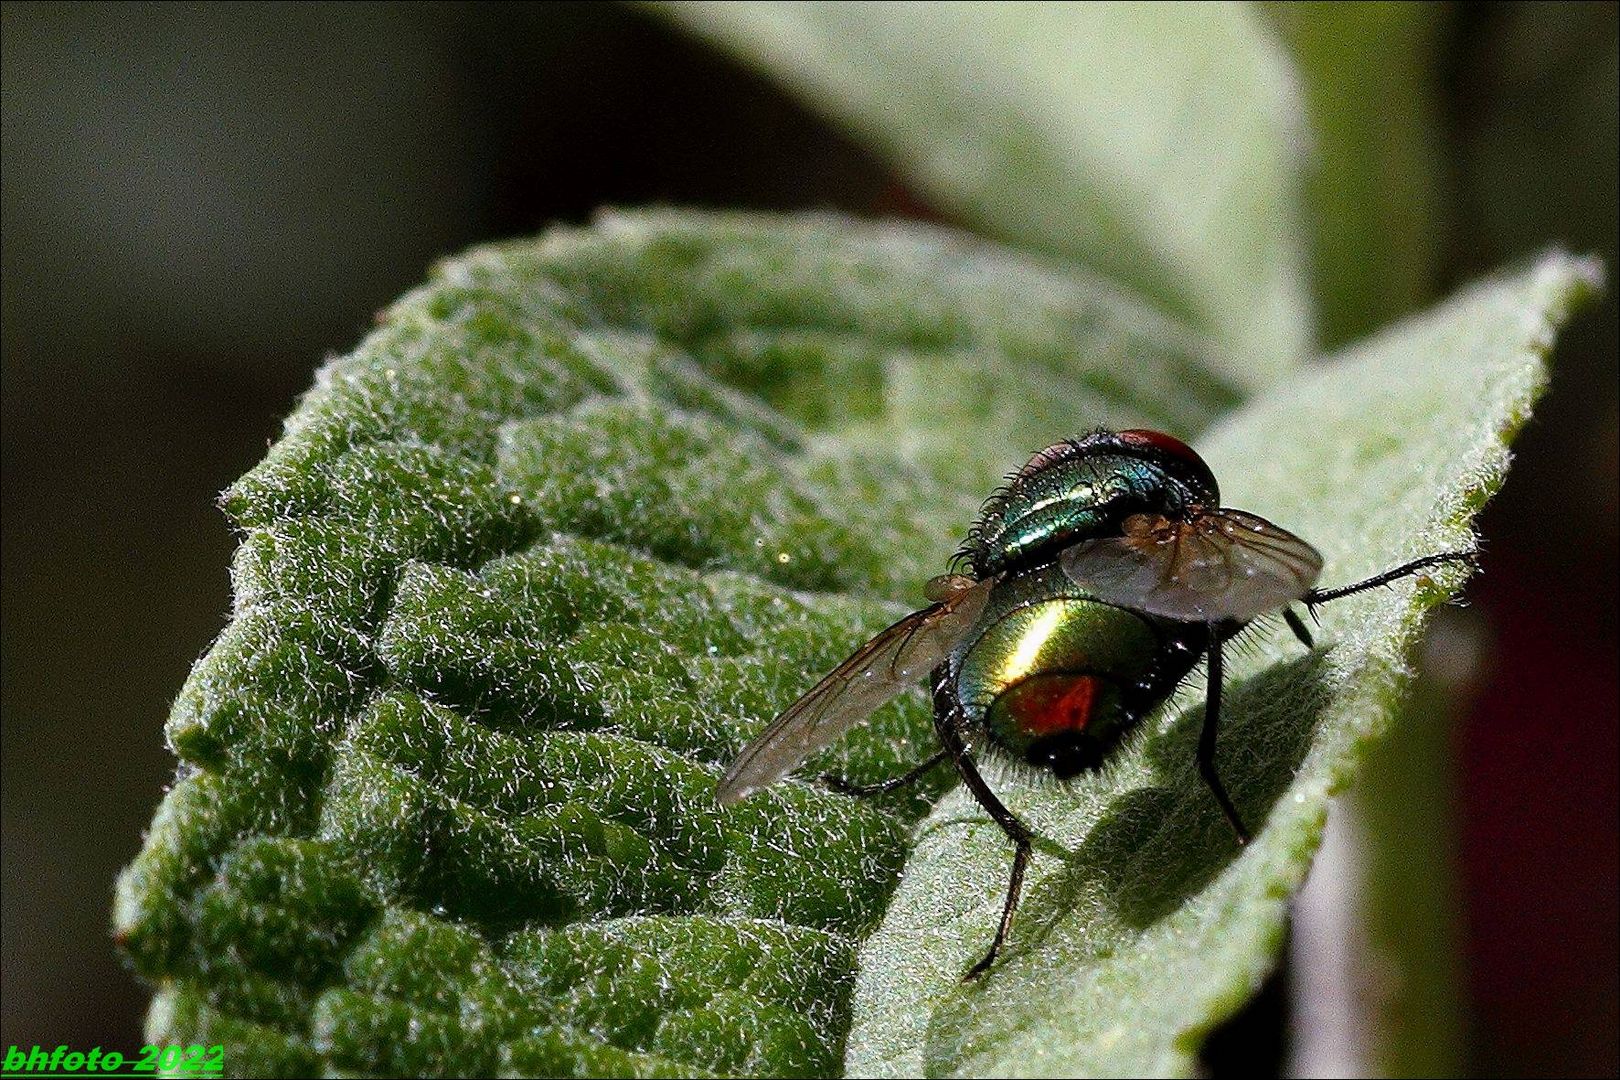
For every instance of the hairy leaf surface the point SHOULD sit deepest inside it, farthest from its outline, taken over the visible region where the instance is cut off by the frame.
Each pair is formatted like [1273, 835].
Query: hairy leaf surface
[1144, 923]
[526, 569]
[585, 512]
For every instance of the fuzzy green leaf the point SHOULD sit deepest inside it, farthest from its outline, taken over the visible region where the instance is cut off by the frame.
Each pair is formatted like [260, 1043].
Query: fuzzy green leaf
[526, 569]
[1375, 177]
[531, 564]
[1144, 924]
[1159, 145]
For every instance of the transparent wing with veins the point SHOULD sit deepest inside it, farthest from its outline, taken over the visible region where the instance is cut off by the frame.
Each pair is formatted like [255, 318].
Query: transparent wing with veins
[1212, 566]
[880, 669]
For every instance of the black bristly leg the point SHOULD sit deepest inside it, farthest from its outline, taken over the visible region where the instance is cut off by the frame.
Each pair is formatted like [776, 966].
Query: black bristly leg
[1311, 600]
[1323, 596]
[947, 723]
[1206, 737]
[1297, 625]
[844, 787]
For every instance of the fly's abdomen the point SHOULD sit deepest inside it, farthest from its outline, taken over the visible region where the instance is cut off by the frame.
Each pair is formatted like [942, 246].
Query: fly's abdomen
[1054, 679]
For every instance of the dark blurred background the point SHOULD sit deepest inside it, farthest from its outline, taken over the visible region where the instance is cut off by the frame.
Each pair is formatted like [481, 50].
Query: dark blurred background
[203, 201]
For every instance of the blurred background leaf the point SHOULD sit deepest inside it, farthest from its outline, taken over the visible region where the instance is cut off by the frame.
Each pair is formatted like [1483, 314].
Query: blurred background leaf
[1158, 146]
[1375, 176]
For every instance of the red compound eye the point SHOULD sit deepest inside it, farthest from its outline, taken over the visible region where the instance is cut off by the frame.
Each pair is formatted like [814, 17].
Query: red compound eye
[1160, 441]
[1171, 447]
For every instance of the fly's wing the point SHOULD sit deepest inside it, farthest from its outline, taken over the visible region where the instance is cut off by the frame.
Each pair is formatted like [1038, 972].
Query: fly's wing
[879, 670]
[1215, 565]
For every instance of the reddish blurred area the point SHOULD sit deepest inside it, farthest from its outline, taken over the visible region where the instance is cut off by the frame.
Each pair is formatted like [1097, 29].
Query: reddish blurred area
[200, 201]
[1537, 765]
[1533, 115]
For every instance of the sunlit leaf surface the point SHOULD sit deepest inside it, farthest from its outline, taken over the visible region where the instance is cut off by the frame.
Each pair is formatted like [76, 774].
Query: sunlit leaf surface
[1144, 923]
[584, 513]
[526, 569]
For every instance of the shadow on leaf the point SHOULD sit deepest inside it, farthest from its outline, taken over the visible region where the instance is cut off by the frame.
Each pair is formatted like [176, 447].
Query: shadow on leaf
[1156, 847]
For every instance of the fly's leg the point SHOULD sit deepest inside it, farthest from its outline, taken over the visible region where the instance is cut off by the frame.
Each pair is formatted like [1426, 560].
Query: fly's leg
[947, 722]
[1317, 597]
[1312, 600]
[1297, 625]
[1206, 737]
[910, 776]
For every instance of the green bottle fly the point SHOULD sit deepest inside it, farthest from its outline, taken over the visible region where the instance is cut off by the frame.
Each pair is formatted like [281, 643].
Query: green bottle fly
[1090, 586]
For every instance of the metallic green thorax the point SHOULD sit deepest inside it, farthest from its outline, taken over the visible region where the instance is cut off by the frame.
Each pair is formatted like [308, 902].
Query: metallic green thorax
[1074, 491]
